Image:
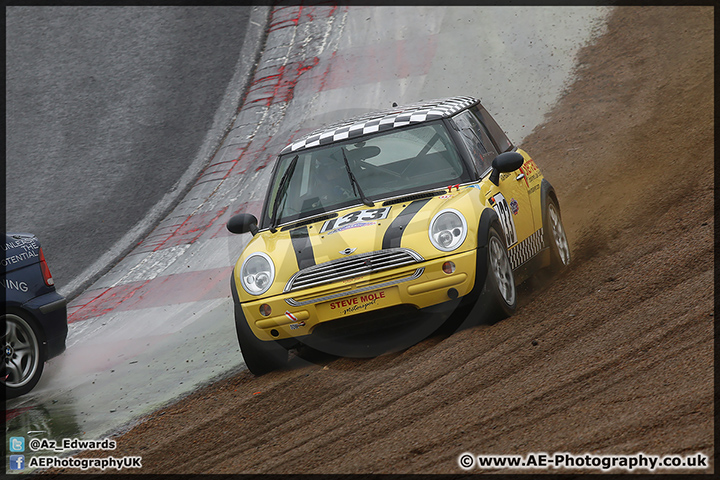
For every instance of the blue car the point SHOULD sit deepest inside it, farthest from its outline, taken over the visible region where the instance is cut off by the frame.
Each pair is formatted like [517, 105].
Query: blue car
[34, 314]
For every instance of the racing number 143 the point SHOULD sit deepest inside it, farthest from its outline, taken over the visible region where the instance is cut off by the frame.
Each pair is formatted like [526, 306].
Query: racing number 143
[356, 216]
[506, 218]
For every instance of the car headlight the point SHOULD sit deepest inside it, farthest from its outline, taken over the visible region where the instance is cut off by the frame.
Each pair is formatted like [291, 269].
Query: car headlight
[448, 230]
[257, 273]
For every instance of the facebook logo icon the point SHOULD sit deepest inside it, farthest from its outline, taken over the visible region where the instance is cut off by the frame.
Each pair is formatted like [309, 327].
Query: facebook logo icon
[17, 462]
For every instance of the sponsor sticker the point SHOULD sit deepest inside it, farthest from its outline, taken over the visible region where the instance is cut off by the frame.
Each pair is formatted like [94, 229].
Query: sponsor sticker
[531, 171]
[9, 284]
[297, 323]
[359, 303]
[500, 204]
[351, 226]
[358, 218]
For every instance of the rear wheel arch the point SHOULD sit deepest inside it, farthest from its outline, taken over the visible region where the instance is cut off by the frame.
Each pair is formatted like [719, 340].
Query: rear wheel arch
[549, 197]
[547, 193]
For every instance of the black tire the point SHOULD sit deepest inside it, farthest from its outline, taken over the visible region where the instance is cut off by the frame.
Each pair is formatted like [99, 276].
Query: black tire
[24, 354]
[485, 304]
[556, 238]
[260, 357]
[499, 295]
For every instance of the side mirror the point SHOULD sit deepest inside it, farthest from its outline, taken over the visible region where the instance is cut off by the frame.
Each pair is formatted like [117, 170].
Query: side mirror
[243, 223]
[503, 163]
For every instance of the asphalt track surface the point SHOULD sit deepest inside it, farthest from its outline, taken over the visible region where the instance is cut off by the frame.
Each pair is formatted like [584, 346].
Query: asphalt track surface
[107, 111]
[151, 297]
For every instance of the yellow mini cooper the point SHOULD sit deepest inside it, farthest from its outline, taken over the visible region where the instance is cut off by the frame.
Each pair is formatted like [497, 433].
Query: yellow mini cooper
[375, 230]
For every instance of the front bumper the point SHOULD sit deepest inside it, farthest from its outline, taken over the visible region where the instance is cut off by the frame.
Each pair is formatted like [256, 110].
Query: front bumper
[420, 285]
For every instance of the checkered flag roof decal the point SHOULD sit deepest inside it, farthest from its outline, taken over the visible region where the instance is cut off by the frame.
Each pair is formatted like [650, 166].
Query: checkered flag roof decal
[381, 121]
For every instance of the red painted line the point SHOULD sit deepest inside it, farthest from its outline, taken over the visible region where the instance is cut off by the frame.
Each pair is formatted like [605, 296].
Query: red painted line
[201, 226]
[212, 180]
[217, 179]
[250, 158]
[83, 299]
[222, 170]
[193, 228]
[160, 291]
[105, 301]
[184, 233]
[286, 17]
[270, 79]
[12, 413]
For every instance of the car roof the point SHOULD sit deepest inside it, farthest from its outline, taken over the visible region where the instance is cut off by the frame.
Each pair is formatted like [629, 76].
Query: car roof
[396, 117]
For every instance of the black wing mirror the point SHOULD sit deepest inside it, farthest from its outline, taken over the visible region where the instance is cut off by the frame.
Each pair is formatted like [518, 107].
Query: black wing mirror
[243, 223]
[503, 163]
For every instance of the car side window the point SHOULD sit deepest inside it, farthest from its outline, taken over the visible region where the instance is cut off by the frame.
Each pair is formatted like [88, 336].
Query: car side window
[496, 133]
[476, 139]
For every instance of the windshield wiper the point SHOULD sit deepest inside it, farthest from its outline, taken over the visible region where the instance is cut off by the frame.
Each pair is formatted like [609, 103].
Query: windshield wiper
[354, 182]
[282, 190]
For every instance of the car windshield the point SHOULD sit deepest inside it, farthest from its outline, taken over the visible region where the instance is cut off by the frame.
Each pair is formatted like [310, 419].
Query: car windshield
[387, 164]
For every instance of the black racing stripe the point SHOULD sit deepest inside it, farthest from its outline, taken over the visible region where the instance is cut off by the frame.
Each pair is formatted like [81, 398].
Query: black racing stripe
[395, 231]
[302, 247]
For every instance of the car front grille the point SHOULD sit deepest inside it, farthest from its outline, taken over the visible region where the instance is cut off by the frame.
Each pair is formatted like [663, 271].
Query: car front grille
[351, 267]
